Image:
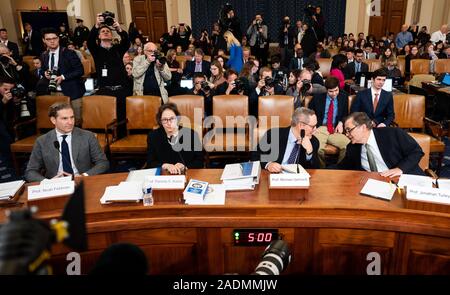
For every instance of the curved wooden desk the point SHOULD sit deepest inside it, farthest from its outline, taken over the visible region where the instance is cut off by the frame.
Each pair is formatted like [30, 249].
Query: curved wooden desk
[330, 233]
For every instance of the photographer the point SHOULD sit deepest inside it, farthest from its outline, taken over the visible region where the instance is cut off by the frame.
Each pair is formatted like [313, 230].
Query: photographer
[319, 23]
[7, 104]
[150, 71]
[229, 21]
[9, 68]
[266, 86]
[204, 42]
[286, 41]
[168, 40]
[304, 88]
[233, 85]
[258, 39]
[183, 35]
[203, 88]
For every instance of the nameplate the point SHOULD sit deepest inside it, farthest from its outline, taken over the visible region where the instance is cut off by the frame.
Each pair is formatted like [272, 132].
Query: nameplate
[289, 180]
[429, 195]
[47, 190]
[167, 181]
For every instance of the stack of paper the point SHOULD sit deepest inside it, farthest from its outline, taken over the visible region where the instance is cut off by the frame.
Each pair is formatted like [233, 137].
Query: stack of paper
[215, 195]
[242, 176]
[378, 189]
[9, 189]
[443, 184]
[129, 191]
[195, 192]
[415, 180]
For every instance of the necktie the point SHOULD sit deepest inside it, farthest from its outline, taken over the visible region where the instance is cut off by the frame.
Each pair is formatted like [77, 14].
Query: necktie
[375, 102]
[293, 156]
[67, 165]
[371, 159]
[52, 62]
[358, 67]
[299, 63]
[330, 117]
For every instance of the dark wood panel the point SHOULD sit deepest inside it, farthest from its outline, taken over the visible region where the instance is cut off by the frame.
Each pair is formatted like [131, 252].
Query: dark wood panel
[139, 8]
[392, 17]
[158, 7]
[150, 16]
[172, 259]
[158, 236]
[422, 263]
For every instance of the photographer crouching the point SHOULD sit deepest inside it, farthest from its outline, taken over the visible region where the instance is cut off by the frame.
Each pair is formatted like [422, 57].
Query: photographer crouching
[205, 89]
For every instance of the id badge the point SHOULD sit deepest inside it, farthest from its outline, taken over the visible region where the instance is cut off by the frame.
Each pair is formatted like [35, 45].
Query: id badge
[104, 72]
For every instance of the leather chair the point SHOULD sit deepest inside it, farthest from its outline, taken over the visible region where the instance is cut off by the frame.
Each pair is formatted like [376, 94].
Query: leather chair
[181, 59]
[207, 58]
[86, 67]
[28, 59]
[192, 110]
[228, 137]
[401, 64]
[420, 66]
[442, 66]
[424, 141]
[374, 64]
[141, 111]
[23, 147]
[324, 66]
[99, 115]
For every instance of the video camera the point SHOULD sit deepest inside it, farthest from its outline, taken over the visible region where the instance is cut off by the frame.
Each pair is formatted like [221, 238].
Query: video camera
[275, 259]
[108, 18]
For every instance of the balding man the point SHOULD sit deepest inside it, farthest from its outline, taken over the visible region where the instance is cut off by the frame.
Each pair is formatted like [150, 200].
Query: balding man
[149, 73]
[404, 37]
[440, 35]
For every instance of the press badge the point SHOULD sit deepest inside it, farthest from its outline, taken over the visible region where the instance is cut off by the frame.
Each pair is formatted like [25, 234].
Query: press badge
[104, 72]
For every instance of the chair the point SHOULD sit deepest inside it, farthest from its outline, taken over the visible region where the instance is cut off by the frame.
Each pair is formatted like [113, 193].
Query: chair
[228, 136]
[420, 66]
[418, 79]
[99, 115]
[374, 64]
[86, 67]
[22, 147]
[401, 64]
[141, 118]
[192, 110]
[324, 66]
[207, 58]
[424, 142]
[28, 59]
[181, 59]
[442, 66]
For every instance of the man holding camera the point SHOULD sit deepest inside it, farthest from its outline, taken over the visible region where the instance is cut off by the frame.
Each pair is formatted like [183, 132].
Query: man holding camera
[11, 45]
[266, 86]
[286, 40]
[203, 88]
[150, 71]
[258, 39]
[10, 68]
[6, 109]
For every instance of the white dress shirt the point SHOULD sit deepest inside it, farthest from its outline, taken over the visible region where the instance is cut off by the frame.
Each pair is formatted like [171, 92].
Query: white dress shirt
[438, 36]
[372, 142]
[69, 143]
[373, 94]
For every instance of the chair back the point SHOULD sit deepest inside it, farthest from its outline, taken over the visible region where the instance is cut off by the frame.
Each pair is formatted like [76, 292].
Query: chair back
[28, 59]
[442, 66]
[351, 98]
[231, 106]
[424, 141]
[409, 110]
[374, 64]
[420, 66]
[43, 104]
[141, 112]
[86, 67]
[192, 109]
[207, 58]
[98, 111]
[324, 66]
[281, 106]
[401, 64]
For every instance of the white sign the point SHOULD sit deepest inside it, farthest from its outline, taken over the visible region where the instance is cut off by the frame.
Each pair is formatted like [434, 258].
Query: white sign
[430, 195]
[289, 180]
[167, 181]
[42, 191]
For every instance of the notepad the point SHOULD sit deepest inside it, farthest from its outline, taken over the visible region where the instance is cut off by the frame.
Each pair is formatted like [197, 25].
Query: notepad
[9, 189]
[124, 192]
[415, 180]
[378, 189]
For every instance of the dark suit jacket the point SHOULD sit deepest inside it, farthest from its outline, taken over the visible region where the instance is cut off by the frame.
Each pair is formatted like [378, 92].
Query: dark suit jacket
[70, 66]
[385, 109]
[269, 151]
[86, 153]
[318, 104]
[14, 50]
[190, 69]
[36, 43]
[159, 151]
[293, 64]
[349, 70]
[398, 150]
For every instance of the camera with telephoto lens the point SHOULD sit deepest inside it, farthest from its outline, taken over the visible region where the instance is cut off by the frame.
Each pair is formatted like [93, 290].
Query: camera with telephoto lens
[108, 18]
[275, 259]
[20, 96]
[272, 82]
[160, 57]
[205, 86]
[52, 85]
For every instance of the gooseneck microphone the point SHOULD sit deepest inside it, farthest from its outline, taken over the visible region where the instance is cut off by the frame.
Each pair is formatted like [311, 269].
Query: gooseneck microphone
[302, 135]
[57, 146]
[172, 142]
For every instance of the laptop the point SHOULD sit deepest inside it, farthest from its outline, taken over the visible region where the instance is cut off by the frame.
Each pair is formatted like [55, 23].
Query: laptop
[388, 85]
[398, 82]
[368, 76]
[446, 79]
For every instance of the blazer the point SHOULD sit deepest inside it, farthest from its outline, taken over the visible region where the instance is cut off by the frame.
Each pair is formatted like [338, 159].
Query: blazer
[14, 50]
[385, 109]
[236, 60]
[70, 66]
[274, 152]
[189, 70]
[318, 104]
[36, 43]
[349, 70]
[86, 153]
[398, 150]
[159, 150]
[293, 64]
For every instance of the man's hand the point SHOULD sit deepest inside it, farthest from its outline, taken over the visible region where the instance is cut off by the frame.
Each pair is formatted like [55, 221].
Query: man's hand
[339, 128]
[47, 74]
[274, 167]
[307, 145]
[117, 26]
[100, 19]
[181, 167]
[391, 173]
[62, 174]
[11, 60]
[172, 169]
[59, 80]
[6, 97]
[159, 65]
[230, 88]
[261, 84]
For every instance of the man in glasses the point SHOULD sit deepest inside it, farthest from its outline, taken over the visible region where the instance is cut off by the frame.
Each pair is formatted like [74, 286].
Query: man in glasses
[390, 151]
[291, 145]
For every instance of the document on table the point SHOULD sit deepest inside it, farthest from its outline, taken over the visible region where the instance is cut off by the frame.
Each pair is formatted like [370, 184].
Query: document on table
[378, 189]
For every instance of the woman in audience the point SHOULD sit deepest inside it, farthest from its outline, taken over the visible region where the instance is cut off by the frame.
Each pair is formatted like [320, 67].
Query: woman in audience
[361, 44]
[217, 77]
[172, 147]
[174, 65]
[414, 54]
[429, 53]
[351, 43]
[293, 89]
[386, 55]
[179, 50]
[406, 50]
[337, 66]
[236, 57]
[313, 66]
[391, 68]
[221, 60]
[247, 73]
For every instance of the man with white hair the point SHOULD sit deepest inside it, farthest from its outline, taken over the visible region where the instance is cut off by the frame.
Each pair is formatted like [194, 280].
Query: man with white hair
[404, 37]
[439, 35]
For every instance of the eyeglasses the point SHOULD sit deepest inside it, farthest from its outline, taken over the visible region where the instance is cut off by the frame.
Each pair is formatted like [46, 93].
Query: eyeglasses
[168, 120]
[311, 126]
[348, 131]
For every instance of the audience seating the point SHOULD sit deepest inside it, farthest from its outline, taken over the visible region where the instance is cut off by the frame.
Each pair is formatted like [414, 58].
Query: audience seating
[181, 59]
[324, 66]
[424, 141]
[401, 64]
[442, 66]
[420, 66]
[374, 64]
[192, 111]
[23, 147]
[418, 79]
[28, 59]
[207, 58]
[86, 67]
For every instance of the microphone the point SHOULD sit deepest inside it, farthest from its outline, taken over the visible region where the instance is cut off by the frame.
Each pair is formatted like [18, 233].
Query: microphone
[57, 146]
[172, 143]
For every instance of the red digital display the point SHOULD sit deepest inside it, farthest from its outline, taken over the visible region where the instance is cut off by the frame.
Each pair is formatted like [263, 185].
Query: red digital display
[254, 237]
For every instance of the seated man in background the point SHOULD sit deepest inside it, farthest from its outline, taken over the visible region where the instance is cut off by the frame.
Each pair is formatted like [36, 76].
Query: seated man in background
[198, 65]
[390, 151]
[375, 102]
[290, 145]
[331, 109]
[356, 66]
[201, 87]
[65, 150]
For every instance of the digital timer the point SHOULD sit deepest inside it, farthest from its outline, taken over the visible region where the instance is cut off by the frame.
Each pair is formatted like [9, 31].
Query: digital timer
[254, 237]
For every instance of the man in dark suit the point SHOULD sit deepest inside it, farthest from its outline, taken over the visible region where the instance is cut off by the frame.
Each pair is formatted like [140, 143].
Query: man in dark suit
[298, 61]
[261, 89]
[198, 65]
[356, 66]
[331, 108]
[80, 34]
[11, 45]
[68, 65]
[286, 41]
[390, 151]
[290, 145]
[377, 103]
[32, 41]
[65, 150]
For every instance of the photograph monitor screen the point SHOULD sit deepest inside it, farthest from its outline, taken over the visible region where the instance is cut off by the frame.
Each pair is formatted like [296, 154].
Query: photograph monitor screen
[387, 85]
[89, 84]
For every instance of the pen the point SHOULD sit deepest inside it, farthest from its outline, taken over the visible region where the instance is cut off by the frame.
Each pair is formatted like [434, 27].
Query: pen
[298, 169]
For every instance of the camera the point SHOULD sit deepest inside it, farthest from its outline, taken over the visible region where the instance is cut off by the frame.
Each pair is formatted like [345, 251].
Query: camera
[20, 95]
[306, 86]
[4, 60]
[309, 10]
[239, 85]
[272, 82]
[205, 86]
[160, 57]
[52, 85]
[275, 259]
[108, 18]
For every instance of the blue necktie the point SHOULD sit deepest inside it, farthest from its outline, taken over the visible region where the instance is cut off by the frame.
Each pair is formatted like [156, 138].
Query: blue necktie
[293, 156]
[67, 165]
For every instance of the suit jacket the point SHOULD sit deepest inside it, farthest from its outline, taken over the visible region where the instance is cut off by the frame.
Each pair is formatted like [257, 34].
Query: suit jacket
[36, 43]
[398, 150]
[86, 153]
[70, 66]
[14, 50]
[349, 70]
[159, 151]
[318, 104]
[269, 151]
[293, 64]
[385, 108]
[190, 69]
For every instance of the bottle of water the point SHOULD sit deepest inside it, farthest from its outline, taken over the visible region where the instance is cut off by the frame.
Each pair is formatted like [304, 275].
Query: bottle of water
[148, 197]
